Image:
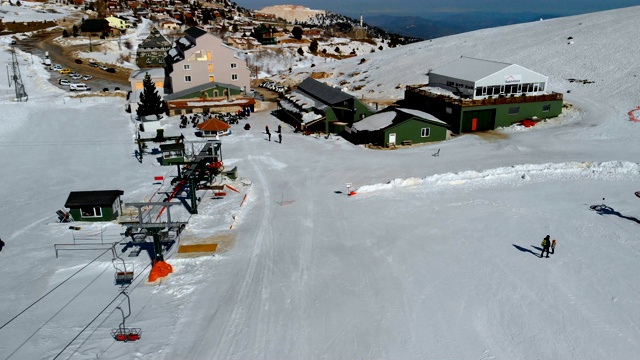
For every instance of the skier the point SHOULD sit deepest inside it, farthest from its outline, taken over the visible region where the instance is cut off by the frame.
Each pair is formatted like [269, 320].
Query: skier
[545, 245]
[1, 244]
[279, 129]
[553, 246]
[280, 138]
[266, 130]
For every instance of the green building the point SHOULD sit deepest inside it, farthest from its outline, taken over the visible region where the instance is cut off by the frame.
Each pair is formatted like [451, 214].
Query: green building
[398, 126]
[316, 106]
[477, 95]
[99, 205]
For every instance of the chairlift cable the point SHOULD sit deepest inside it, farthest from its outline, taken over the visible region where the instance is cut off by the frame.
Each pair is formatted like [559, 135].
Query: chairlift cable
[50, 291]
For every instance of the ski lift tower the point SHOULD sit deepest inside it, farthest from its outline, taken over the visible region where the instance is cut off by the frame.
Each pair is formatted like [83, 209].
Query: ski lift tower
[21, 94]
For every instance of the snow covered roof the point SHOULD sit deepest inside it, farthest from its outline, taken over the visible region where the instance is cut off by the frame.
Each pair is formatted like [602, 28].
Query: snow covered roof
[470, 69]
[300, 99]
[376, 122]
[155, 73]
[423, 115]
[202, 87]
[384, 119]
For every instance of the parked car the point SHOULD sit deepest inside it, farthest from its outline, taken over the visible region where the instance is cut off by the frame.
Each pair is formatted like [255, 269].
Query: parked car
[76, 76]
[65, 71]
[111, 70]
[78, 87]
[56, 67]
[87, 77]
[64, 82]
[78, 61]
[93, 63]
[102, 67]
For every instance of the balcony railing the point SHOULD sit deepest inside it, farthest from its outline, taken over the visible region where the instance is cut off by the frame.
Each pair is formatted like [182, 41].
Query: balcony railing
[495, 100]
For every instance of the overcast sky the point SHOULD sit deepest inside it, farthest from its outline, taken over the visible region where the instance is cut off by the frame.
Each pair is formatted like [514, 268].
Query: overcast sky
[435, 8]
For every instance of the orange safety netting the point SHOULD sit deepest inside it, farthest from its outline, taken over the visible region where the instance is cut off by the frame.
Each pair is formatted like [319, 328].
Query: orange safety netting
[160, 269]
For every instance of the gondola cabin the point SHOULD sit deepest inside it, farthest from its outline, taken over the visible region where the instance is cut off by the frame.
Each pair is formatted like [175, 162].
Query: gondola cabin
[172, 153]
[99, 205]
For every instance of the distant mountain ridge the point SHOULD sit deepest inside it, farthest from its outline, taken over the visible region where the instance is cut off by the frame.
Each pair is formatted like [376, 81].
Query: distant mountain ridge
[416, 26]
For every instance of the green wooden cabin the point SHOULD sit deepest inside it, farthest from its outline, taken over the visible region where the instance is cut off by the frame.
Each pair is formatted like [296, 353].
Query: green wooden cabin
[398, 126]
[99, 205]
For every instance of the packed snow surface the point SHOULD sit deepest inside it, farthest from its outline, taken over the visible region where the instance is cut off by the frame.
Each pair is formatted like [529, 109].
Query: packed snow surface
[434, 257]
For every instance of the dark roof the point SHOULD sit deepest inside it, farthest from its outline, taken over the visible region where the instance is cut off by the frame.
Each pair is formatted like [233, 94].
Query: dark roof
[322, 92]
[94, 25]
[195, 32]
[155, 40]
[172, 147]
[105, 198]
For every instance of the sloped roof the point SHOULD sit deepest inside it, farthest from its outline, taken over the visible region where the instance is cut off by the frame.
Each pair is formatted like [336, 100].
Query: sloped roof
[470, 69]
[213, 125]
[94, 25]
[387, 118]
[323, 92]
[195, 32]
[203, 87]
[100, 198]
[155, 40]
[376, 121]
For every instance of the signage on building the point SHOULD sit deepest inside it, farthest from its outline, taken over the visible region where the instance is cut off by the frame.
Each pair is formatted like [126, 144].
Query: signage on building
[512, 79]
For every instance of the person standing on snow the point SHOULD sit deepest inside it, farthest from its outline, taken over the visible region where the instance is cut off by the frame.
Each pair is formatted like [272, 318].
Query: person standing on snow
[553, 246]
[1, 244]
[546, 243]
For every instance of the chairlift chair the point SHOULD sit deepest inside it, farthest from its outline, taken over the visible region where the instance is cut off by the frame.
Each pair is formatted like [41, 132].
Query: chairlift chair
[123, 333]
[124, 272]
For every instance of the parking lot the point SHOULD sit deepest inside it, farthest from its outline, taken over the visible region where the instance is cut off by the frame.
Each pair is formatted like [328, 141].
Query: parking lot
[83, 76]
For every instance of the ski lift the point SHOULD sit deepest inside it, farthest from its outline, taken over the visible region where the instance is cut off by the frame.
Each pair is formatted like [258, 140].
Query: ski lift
[124, 272]
[123, 333]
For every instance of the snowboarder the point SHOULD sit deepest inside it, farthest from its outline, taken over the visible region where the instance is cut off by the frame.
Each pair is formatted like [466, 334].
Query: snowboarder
[553, 246]
[280, 138]
[1, 244]
[546, 243]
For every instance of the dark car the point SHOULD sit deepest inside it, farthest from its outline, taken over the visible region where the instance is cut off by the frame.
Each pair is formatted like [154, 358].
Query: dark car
[78, 61]
[111, 70]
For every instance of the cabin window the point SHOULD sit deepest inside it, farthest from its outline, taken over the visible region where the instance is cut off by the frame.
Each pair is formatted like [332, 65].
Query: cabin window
[210, 67]
[186, 66]
[211, 79]
[90, 211]
[187, 78]
[514, 110]
[234, 76]
[546, 108]
[234, 65]
[425, 132]
[448, 110]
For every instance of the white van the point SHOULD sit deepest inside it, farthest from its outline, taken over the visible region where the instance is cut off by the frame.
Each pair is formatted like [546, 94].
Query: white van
[78, 87]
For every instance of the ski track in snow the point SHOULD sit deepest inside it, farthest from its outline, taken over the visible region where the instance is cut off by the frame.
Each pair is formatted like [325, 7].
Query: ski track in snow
[516, 175]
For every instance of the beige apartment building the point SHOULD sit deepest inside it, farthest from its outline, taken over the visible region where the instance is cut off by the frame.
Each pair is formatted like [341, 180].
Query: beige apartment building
[198, 58]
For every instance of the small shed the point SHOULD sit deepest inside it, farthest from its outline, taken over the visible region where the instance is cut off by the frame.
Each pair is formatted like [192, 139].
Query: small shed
[213, 127]
[98, 205]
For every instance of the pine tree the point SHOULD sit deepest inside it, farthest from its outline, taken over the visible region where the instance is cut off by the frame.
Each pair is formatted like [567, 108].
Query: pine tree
[150, 102]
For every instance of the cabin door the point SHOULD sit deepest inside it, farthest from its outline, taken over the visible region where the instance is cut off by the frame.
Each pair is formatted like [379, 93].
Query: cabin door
[392, 139]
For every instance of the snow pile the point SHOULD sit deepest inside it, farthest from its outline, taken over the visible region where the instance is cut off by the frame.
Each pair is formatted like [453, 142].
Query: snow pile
[516, 175]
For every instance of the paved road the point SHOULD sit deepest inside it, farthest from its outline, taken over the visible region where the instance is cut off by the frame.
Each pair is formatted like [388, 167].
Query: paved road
[42, 42]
